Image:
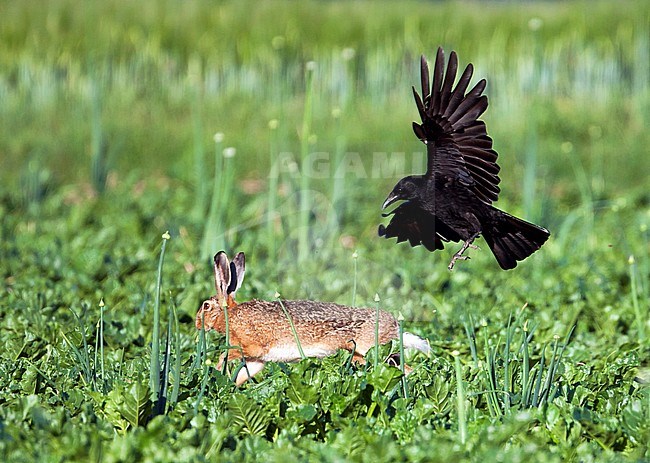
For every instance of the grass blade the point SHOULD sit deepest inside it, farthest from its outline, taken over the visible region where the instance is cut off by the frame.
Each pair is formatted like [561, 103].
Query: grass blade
[84, 356]
[549, 373]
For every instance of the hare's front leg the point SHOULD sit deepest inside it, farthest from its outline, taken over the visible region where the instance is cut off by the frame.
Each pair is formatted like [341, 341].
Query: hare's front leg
[247, 371]
[250, 369]
[233, 354]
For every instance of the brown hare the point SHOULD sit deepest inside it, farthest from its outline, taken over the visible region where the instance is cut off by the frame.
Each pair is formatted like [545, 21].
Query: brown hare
[263, 331]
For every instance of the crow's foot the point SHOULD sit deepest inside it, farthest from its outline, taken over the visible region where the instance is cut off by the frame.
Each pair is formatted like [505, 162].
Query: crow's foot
[459, 255]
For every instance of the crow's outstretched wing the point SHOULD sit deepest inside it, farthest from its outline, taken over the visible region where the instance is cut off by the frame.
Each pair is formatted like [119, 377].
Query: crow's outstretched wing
[410, 222]
[458, 147]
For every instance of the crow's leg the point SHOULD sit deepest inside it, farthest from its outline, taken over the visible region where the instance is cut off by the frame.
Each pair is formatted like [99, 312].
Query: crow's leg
[459, 255]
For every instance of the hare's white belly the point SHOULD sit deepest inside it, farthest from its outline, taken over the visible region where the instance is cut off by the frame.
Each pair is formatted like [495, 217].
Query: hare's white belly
[290, 352]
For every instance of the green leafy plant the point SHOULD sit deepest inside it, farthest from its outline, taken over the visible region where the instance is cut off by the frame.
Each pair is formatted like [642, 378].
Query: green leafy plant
[565, 379]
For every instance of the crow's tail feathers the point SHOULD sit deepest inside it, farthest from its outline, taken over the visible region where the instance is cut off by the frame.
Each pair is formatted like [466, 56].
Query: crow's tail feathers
[513, 239]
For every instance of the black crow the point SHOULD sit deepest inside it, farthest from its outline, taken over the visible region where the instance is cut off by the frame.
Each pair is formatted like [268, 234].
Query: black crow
[452, 201]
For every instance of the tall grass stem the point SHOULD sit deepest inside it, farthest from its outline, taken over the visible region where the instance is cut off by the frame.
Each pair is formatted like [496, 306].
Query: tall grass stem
[305, 193]
[201, 191]
[200, 348]
[226, 319]
[355, 258]
[529, 185]
[154, 376]
[640, 319]
[337, 188]
[101, 342]
[471, 337]
[204, 383]
[506, 367]
[98, 148]
[376, 359]
[274, 173]
[161, 404]
[402, 363]
[214, 225]
[525, 370]
[460, 396]
[176, 372]
[293, 328]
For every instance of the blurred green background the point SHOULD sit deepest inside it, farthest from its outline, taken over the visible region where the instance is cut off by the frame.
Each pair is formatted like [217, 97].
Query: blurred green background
[149, 83]
[114, 100]
[278, 128]
[116, 117]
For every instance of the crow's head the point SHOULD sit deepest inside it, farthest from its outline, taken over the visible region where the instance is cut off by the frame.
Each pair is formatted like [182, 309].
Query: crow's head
[409, 188]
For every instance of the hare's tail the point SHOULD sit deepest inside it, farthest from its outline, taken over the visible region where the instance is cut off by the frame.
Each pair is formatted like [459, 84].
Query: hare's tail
[416, 342]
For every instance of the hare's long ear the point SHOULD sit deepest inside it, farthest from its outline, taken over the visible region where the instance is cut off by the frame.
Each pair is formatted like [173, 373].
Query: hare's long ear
[237, 270]
[221, 276]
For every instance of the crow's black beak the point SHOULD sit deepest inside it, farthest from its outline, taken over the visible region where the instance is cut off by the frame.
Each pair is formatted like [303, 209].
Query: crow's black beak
[390, 200]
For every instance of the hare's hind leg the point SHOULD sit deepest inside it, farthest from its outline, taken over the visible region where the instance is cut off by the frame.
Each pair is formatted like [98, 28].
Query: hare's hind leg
[394, 360]
[358, 352]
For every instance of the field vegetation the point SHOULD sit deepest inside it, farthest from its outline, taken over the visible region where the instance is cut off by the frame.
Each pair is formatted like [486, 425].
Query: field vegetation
[139, 138]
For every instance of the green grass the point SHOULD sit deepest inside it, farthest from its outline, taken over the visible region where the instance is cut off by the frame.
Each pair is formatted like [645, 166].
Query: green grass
[107, 127]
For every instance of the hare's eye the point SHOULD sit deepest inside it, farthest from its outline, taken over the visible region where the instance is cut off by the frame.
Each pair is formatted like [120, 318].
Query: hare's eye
[205, 306]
